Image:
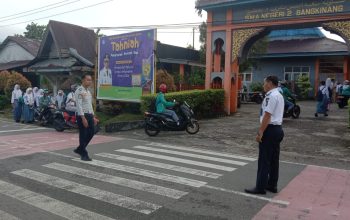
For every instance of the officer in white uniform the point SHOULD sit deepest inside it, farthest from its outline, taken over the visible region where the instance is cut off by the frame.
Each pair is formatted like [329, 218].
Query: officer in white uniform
[105, 75]
[86, 120]
[269, 137]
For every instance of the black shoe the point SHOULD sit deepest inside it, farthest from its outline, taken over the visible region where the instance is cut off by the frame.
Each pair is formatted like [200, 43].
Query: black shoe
[255, 191]
[272, 189]
[325, 115]
[86, 158]
[316, 115]
[77, 151]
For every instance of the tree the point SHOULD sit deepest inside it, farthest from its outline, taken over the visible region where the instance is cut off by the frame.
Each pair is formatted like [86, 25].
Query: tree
[16, 78]
[4, 77]
[35, 31]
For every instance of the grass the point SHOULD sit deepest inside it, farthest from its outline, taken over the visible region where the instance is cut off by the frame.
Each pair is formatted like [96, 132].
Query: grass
[108, 119]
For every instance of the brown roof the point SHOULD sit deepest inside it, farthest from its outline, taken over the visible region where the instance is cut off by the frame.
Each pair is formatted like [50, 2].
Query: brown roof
[67, 36]
[13, 64]
[30, 45]
[319, 45]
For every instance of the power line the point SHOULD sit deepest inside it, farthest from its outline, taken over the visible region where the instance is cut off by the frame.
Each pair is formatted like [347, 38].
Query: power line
[23, 12]
[36, 12]
[66, 12]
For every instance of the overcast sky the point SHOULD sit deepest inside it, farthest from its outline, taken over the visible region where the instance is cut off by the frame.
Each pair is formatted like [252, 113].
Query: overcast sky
[112, 13]
[115, 13]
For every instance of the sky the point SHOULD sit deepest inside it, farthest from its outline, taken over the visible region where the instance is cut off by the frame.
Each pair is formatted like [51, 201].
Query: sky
[113, 13]
[109, 13]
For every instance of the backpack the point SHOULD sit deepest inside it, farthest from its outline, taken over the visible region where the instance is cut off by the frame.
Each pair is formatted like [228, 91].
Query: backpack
[319, 96]
[153, 105]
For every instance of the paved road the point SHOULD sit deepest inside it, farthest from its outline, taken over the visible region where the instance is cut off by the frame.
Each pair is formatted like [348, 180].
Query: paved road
[40, 178]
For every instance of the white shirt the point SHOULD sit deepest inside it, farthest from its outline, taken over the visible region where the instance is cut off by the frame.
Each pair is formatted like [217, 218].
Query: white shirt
[105, 77]
[84, 101]
[28, 99]
[15, 95]
[273, 104]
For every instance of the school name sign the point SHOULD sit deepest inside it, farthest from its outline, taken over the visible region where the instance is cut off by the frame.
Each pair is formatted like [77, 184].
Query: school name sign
[306, 9]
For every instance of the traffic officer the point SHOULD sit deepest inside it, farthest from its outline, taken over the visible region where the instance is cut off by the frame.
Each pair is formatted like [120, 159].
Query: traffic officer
[269, 137]
[86, 120]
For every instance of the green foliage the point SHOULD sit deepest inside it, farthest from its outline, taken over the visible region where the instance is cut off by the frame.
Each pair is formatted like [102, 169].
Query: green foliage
[257, 87]
[16, 78]
[304, 86]
[203, 41]
[196, 77]
[205, 103]
[4, 102]
[35, 31]
[258, 48]
[4, 76]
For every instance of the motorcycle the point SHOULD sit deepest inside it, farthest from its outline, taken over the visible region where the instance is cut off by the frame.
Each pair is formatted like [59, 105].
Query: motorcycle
[156, 122]
[64, 120]
[294, 112]
[342, 100]
[256, 97]
[46, 115]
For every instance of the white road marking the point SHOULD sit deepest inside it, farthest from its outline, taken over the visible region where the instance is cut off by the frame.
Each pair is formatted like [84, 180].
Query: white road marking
[26, 129]
[147, 173]
[161, 165]
[49, 204]
[151, 188]
[202, 151]
[179, 160]
[7, 216]
[279, 202]
[101, 195]
[238, 163]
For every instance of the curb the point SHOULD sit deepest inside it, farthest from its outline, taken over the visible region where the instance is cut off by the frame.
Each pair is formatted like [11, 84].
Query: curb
[124, 126]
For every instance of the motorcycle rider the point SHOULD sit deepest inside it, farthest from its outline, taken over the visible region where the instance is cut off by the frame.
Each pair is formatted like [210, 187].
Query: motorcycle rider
[346, 88]
[44, 103]
[286, 94]
[162, 104]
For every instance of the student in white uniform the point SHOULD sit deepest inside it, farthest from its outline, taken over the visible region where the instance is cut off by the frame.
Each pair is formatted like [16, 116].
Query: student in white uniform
[269, 137]
[105, 75]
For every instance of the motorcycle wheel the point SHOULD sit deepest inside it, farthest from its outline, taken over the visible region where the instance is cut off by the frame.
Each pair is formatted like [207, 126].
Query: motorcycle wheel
[58, 124]
[192, 128]
[296, 111]
[151, 131]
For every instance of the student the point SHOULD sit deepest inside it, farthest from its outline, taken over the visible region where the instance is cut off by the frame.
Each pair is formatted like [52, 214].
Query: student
[28, 106]
[322, 99]
[17, 103]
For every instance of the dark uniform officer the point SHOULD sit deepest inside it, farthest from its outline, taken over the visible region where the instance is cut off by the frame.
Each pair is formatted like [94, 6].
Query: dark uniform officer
[269, 137]
[85, 118]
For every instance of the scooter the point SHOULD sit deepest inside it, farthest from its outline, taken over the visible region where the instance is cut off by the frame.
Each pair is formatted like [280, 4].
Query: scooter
[155, 122]
[46, 115]
[342, 100]
[294, 112]
[256, 97]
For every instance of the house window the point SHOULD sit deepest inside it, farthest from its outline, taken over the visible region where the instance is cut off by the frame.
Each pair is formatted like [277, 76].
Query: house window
[247, 77]
[292, 73]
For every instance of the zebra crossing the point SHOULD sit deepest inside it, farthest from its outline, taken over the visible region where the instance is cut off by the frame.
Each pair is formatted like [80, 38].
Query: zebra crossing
[161, 170]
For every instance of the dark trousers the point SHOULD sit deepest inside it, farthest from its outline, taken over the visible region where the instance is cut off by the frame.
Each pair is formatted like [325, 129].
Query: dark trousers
[269, 153]
[85, 134]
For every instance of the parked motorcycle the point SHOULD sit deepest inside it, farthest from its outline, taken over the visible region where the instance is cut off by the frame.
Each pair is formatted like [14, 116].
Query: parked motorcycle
[64, 120]
[342, 100]
[46, 115]
[294, 112]
[256, 97]
[156, 122]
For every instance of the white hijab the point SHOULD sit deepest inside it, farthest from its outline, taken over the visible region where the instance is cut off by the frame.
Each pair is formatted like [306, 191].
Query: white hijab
[29, 97]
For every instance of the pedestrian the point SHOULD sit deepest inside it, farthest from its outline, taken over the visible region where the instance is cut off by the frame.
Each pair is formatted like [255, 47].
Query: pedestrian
[38, 96]
[60, 99]
[16, 101]
[71, 101]
[86, 120]
[322, 99]
[28, 106]
[269, 137]
[329, 86]
[35, 93]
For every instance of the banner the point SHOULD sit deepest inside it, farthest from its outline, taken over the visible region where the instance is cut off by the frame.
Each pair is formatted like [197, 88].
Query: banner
[126, 66]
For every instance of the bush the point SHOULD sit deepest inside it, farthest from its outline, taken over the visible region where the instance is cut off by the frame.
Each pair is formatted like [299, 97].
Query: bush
[4, 102]
[304, 87]
[4, 76]
[16, 78]
[257, 87]
[205, 103]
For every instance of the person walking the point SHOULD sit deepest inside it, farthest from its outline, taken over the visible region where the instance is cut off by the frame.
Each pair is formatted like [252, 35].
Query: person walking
[269, 137]
[16, 101]
[86, 119]
[28, 106]
[322, 99]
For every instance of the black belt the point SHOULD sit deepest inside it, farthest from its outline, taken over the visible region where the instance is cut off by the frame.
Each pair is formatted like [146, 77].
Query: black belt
[272, 125]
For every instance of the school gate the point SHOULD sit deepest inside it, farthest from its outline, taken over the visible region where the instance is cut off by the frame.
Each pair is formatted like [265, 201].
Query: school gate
[233, 26]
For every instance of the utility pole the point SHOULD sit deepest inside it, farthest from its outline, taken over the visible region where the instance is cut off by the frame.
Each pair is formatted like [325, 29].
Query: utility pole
[193, 37]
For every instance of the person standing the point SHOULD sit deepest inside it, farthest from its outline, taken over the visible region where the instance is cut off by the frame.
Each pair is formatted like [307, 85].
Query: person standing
[28, 106]
[86, 119]
[322, 99]
[269, 137]
[71, 101]
[16, 103]
[60, 99]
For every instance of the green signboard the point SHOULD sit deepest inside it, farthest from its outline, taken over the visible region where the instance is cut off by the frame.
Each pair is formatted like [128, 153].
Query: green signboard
[291, 9]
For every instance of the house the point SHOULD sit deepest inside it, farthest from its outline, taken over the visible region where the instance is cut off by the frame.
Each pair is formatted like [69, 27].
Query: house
[67, 51]
[16, 53]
